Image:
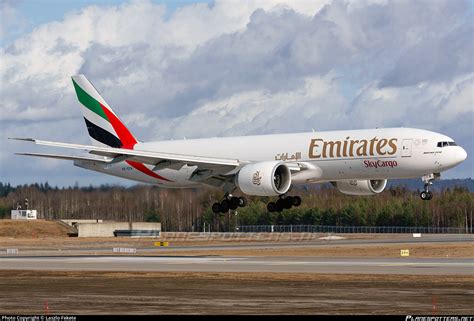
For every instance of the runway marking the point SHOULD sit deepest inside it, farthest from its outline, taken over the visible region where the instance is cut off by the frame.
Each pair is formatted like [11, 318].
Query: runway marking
[431, 263]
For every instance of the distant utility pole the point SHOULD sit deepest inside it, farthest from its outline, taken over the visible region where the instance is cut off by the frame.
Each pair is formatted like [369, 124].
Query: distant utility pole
[236, 227]
[471, 220]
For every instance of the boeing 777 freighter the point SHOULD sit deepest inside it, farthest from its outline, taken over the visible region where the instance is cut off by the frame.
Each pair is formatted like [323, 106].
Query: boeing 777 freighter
[357, 162]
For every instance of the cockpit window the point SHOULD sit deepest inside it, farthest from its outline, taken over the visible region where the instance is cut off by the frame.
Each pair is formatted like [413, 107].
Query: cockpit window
[444, 144]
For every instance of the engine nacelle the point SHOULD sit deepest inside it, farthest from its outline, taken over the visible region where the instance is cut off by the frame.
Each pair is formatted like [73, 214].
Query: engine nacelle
[361, 187]
[264, 178]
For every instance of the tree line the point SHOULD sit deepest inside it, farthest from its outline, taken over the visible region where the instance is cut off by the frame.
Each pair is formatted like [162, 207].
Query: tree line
[189, 209]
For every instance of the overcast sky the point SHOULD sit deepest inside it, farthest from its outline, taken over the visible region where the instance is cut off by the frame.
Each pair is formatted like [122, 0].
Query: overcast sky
[222, 68]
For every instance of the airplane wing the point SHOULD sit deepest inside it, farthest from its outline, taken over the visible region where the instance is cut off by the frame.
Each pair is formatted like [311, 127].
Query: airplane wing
[207, 167]
[210, 170]
[147, 157]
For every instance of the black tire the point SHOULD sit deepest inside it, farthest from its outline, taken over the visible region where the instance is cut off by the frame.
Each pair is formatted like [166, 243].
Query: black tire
[216, 208]
[279, 205]
[424, 195]
[430, 196]
[224, 206]
[242, 201]
[296, 201]
[288, 202]
[271, 207]
[234, 203]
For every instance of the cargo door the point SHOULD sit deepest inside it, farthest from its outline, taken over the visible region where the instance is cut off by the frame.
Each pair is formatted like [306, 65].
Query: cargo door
[406, 147]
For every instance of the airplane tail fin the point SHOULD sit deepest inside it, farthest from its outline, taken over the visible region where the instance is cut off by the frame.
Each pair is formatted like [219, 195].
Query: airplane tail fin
[103, 125]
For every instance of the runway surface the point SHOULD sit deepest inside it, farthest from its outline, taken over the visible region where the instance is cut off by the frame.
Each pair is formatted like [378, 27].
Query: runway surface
[409, 266]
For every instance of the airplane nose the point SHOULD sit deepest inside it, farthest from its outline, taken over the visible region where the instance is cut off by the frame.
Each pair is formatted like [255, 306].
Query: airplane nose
[460, 155]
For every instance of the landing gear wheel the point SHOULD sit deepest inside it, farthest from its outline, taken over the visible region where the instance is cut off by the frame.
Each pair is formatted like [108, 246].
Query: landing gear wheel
[242, 201]
[296, 201]
[425, 195]
[284, 202]
[216, 208]
[280, 205]
[288, 202]
[234, 203]
[271, 207]
[224, 206]
[228, 203]
[430, 195]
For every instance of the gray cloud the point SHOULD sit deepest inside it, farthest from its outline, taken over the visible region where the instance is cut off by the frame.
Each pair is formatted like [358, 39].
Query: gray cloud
[435, 58]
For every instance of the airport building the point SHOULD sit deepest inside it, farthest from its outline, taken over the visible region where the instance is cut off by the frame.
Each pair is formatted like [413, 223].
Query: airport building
[100, 228]
[24, 215]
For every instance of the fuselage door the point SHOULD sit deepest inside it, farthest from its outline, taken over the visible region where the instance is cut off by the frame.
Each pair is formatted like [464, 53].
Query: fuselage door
[406, 147]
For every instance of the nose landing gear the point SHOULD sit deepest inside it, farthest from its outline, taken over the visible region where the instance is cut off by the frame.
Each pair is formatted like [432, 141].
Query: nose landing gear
[426, 195]
[228, 203]
[284, 202]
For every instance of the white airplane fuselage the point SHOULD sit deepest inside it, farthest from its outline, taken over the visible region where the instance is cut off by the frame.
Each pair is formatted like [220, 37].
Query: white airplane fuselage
[384, 153]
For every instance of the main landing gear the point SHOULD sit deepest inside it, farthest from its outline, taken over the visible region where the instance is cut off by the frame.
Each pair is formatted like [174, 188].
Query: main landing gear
[228, 203]
[426, 195]
[284, 202]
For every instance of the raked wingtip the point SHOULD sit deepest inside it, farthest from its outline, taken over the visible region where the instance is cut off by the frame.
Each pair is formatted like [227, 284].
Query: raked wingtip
[24, 139]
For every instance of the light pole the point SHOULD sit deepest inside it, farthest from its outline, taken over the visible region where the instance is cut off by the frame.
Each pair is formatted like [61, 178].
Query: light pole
[236, 222]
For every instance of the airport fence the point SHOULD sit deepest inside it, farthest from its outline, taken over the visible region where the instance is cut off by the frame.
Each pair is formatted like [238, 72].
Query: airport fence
[350, 229]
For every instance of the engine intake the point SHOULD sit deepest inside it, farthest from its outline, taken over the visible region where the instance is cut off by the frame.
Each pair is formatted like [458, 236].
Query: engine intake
[264, 179]
[361, 187]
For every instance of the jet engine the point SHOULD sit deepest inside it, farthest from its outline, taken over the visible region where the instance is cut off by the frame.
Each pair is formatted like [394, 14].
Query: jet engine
[361, 187]
[264, 178]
